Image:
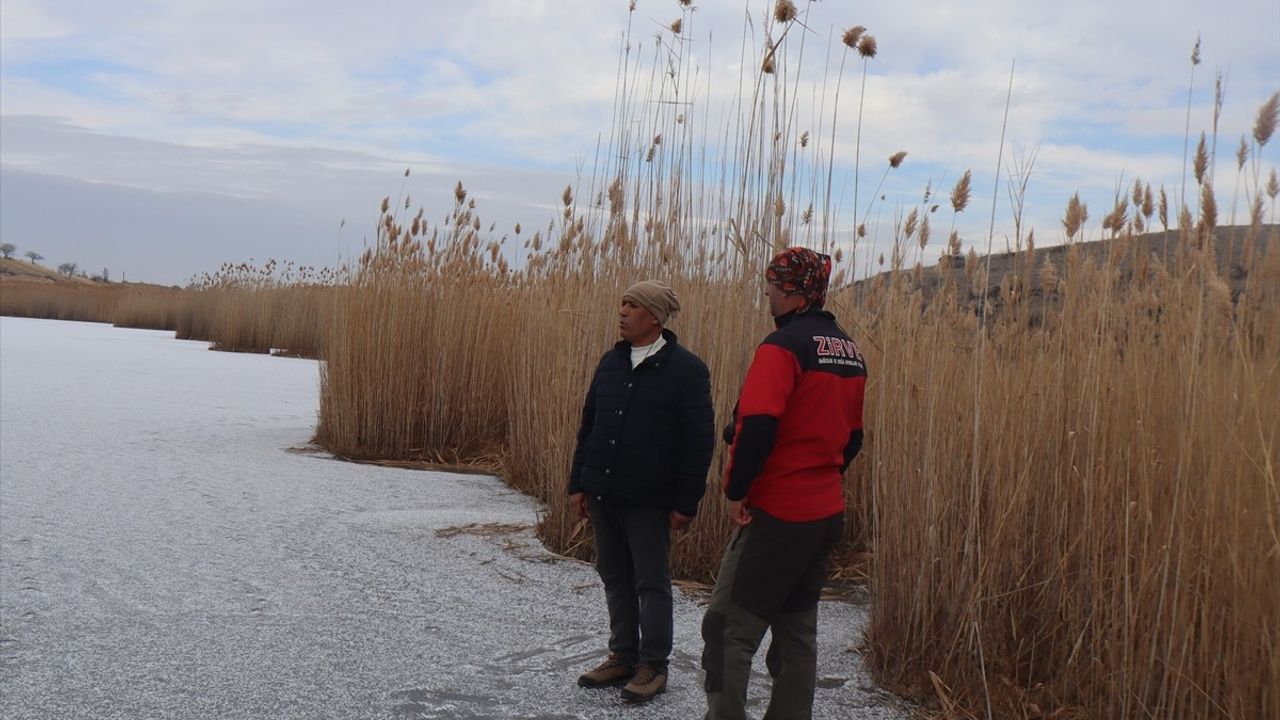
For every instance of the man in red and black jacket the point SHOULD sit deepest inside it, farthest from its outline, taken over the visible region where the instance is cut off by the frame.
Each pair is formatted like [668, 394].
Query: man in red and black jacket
[796, 429]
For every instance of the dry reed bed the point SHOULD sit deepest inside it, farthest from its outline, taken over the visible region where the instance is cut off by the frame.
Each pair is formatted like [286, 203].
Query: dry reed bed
[239, 309]
[1083, 514]
[1078, 511]
[87, 303]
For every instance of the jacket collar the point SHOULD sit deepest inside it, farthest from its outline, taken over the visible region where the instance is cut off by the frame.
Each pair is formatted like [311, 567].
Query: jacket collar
[624, 347]
[780, 321]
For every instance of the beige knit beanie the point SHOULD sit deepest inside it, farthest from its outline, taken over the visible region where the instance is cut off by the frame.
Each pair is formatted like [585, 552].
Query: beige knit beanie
[655, 296]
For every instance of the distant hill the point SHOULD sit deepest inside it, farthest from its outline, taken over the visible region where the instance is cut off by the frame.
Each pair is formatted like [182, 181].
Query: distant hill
[13, 270]
[1163, 245]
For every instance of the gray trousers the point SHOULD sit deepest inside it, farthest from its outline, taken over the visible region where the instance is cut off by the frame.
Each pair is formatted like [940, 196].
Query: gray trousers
[770, 579]
[633, 546]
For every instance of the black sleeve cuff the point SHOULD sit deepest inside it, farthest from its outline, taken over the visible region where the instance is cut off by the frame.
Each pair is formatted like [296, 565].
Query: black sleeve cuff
[851, 449]
[750, 450]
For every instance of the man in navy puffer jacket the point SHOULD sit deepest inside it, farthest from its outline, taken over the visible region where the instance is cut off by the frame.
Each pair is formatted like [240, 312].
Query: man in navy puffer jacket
[639, 471]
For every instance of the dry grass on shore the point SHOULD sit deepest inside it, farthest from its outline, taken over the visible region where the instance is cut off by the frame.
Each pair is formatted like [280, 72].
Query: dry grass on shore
[239, 308]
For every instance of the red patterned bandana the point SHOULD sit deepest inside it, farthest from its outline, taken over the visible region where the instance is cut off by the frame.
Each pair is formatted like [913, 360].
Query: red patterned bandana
[801, 271]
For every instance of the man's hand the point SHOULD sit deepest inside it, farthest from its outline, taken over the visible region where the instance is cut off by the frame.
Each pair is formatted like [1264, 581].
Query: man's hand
[737, 511]
[678, 521]
[578, 501]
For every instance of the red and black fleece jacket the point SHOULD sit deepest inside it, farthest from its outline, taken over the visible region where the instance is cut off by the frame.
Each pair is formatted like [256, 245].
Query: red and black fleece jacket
[798, 423]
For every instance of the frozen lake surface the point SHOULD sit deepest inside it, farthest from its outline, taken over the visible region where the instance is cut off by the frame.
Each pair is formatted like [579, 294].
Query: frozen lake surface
[164, 555]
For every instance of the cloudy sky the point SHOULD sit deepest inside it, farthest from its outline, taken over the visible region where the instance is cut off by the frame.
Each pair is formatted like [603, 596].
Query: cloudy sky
[162, 138]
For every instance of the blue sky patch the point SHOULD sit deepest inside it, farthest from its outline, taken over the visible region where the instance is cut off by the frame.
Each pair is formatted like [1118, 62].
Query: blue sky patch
[84, 77]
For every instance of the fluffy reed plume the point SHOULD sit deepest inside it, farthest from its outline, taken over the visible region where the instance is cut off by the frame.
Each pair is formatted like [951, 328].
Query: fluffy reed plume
[1273, 185]
[768, 65]
[867, 46]
[676, 26]
[1164, 209]
[852, 35]
[1242, 156]
[895, 160]
[1048, 277]
[972, 274]
[1220, 297]
[924, 232]
[1076, 215]
[1208, 211]
[953, 244]
[1265, 124]
[1112, 221]
[804, 139]
[785, 11]
[1201, 162]
[1148, 203]
[961, 192]
[909, 225]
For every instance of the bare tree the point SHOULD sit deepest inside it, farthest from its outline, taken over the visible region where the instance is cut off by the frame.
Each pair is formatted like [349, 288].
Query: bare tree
[35, 257]
[7, 249]
[69, 269]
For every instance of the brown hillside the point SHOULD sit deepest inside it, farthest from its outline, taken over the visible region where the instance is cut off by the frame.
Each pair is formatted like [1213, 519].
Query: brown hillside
[13, 270]
[1231, 248]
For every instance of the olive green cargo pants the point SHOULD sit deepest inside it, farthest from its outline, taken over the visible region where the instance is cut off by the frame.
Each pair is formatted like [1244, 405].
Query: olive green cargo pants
[770, 579]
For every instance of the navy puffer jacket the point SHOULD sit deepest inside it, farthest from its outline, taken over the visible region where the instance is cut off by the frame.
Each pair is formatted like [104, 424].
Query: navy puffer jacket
[647, 434]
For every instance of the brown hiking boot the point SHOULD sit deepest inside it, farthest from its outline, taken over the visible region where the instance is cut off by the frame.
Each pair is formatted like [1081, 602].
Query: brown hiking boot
[645, 685]
[610, 673]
